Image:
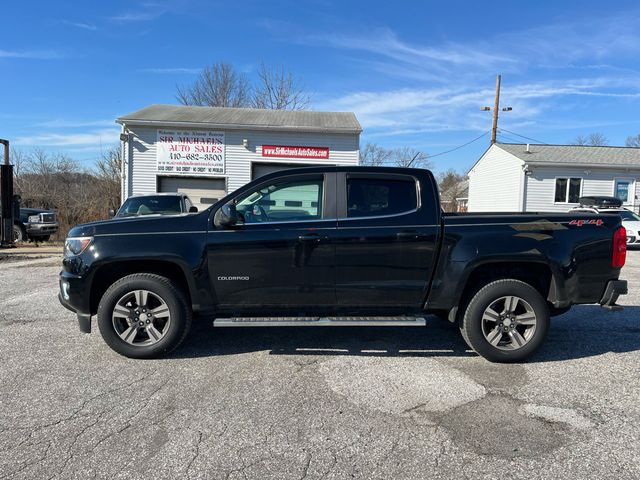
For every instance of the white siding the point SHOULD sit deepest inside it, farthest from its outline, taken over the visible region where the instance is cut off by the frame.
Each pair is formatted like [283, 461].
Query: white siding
[141, 171]
[496, 182]
[542, 182]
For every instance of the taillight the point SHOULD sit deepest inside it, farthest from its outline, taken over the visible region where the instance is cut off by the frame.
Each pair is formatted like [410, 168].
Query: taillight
[619, 247]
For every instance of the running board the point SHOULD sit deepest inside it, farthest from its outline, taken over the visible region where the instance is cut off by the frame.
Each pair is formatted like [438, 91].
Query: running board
[402, 321]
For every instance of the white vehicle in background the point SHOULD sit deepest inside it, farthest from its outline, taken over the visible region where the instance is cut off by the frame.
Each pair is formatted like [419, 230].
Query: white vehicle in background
[630, 220]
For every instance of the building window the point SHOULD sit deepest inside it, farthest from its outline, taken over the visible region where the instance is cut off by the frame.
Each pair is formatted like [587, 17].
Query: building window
[568, 190]
[622, 189]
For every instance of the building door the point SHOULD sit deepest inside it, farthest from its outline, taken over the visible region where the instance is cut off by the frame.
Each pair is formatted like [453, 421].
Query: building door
[203, 192]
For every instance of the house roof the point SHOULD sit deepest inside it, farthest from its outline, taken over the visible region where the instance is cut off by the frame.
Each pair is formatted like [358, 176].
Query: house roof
[574, 154]
[459, 190]
[243, 118]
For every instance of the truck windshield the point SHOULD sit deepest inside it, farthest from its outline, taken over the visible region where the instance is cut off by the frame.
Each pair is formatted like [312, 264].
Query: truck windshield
[151, 205]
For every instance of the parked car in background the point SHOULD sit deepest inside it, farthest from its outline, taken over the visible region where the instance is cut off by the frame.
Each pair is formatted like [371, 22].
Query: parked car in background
[155, 204]
[35, 224]
[612, 205]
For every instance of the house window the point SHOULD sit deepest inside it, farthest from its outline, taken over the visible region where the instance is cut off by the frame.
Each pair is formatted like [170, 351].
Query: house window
[622, 189]
[568, 190]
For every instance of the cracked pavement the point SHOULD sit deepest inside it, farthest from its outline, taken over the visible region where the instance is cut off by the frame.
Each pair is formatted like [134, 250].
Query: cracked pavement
[313, 403]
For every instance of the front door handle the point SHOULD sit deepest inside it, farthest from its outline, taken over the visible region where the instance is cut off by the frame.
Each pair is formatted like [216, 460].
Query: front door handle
[312, 237]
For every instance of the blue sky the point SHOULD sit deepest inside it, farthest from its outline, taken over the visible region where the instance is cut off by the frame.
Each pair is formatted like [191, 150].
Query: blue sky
[415, 73]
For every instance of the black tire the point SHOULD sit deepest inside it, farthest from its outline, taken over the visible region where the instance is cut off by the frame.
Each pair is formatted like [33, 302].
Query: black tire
[19, 234]
[472, 321]
[163, 288]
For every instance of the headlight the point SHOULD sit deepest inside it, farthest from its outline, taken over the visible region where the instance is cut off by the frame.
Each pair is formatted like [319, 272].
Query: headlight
[76, 245]
[34, 219]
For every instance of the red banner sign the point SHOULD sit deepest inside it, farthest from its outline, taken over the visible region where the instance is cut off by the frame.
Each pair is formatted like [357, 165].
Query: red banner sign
[294, 152]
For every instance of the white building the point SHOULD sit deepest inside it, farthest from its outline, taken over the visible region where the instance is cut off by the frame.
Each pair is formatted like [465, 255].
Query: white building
[207, 152]
[550, 178]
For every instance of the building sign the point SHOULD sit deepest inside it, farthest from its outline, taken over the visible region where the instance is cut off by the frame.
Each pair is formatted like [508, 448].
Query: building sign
[190, 152]
[294, 152]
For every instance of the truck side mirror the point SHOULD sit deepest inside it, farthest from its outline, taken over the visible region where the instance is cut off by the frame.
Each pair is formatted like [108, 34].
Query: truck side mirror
[193, 209]
[112, 212]
[227, 215]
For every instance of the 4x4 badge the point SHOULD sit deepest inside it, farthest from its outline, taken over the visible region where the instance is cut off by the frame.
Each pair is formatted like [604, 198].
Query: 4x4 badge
[580, 223]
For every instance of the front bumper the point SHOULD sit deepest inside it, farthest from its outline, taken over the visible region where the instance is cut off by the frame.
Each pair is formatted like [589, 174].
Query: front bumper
[614, 289]
[71, 296]
[42, 229]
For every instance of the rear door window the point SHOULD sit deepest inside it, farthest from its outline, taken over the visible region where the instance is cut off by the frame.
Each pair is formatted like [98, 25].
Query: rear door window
[371, 197]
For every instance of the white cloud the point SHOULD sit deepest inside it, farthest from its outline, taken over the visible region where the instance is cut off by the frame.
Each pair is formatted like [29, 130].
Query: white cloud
[413, 111]
[138, 16]
[32, 54]
[172, 70]
[385, 43]
[82, 25]
[95, 137]
[62, 123]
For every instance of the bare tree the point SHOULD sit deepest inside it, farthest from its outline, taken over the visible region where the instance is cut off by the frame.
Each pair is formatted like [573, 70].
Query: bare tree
[109, 168]
[277, 89]
[595, 139]
[410, 157]
[580, 140]
[633, 141]
[598, 139]
[57, 182]
[451, 185]
[374, 155]
[218, 85]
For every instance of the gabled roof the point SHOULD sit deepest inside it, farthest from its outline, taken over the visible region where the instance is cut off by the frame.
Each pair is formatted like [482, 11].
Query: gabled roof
[574, 154]
[459, 190]
[243, 118]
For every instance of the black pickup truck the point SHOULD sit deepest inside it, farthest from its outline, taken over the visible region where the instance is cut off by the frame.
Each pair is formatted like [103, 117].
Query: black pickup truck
[340, 246]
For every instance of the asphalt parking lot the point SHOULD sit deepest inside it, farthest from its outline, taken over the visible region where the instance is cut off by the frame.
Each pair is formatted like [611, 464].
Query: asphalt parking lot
[313, 403]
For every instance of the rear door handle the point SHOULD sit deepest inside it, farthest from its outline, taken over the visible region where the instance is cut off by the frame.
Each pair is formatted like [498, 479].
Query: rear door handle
[312, 237]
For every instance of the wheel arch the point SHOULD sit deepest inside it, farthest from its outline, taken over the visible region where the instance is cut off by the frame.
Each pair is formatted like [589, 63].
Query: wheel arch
[539, 274]
[106, 274]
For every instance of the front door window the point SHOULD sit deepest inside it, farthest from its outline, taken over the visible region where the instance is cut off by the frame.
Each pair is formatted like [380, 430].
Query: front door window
[290, 201]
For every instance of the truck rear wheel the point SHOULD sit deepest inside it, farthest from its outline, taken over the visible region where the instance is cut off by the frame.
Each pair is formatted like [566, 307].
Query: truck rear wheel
[143, 316]
[506, 321]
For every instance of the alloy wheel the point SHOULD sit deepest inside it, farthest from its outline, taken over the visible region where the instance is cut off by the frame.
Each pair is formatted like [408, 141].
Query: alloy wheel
[141, 318]
[509, 323]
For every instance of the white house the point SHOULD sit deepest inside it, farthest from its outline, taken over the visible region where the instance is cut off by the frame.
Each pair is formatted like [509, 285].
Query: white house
[208, 152]
[512, 177]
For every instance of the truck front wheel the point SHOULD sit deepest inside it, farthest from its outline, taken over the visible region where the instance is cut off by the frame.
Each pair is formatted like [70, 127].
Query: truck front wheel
[19, 235]
[505, 321]
[143, 316]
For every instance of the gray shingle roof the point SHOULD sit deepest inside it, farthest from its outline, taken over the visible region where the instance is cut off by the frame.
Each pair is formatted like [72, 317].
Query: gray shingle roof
[243, 118]
[574, 154]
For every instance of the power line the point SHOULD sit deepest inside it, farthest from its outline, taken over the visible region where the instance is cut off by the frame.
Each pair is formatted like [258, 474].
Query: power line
[460, 146]
[508, 139]
[521, 136]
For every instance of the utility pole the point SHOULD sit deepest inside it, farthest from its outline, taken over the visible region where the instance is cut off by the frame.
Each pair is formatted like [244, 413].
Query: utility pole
[6, 198]
[496, 107]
